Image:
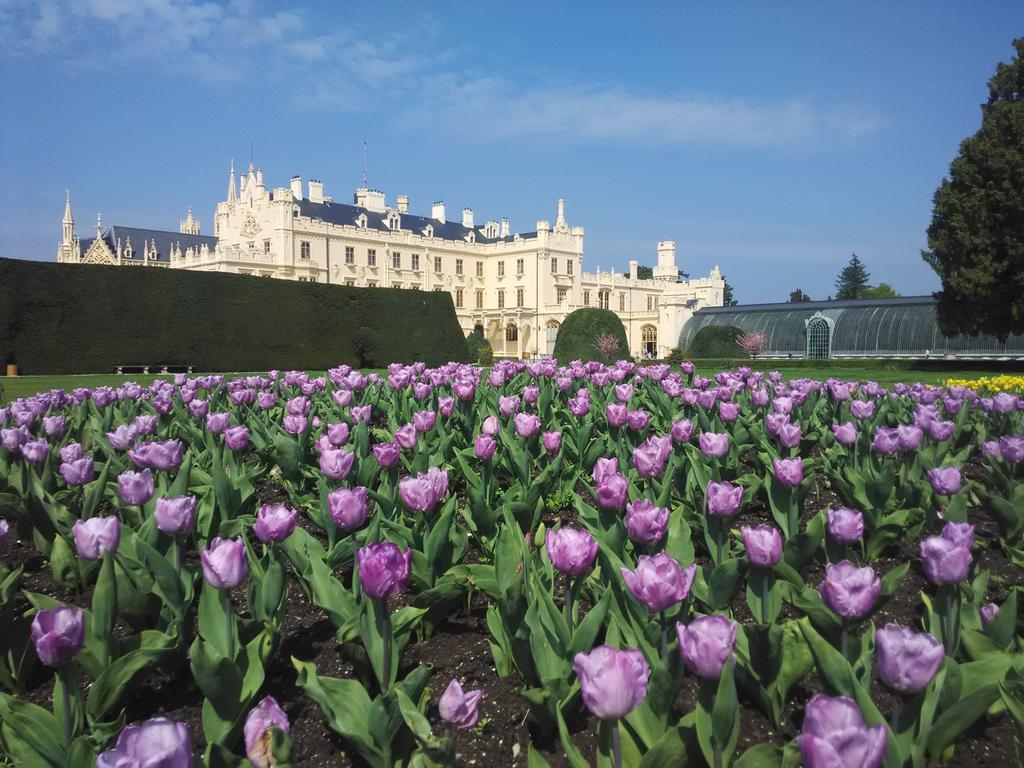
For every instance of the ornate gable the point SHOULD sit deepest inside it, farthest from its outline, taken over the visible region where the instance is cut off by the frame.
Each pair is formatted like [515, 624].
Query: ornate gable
[99, 253]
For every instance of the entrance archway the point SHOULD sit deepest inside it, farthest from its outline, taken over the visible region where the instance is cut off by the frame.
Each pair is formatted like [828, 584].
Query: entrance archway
[649, 341]
[819, 338]
[552, 335]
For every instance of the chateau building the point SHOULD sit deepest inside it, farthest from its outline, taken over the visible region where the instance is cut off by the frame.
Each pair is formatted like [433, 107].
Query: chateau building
[516, 288]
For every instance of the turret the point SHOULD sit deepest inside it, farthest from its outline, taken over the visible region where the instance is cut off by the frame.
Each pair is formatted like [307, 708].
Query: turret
[69, 221]
[232, 194]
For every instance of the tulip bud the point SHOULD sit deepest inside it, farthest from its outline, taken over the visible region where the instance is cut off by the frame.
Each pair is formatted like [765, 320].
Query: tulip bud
[225, 564]
[158, 741]
[175, 514]
[58, 634]
[645, 522]
[571, 550]
[258, 733]
[724, 499]
[946, 560]
[136, 487]
[907, 661]
[835, 735]
[459, 707]
[274, 522]
[945, 481]
[96, 536]
[763, 545]
[383, 569]
[659, 582]
[714, 445]
[613, 682]
[706, 644]
[850, 591]
[349, 508]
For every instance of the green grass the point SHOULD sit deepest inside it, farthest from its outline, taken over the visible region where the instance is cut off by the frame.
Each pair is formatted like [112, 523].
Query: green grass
[21, 386]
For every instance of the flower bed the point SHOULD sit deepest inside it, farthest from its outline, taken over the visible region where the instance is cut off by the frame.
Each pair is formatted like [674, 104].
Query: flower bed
[555, 565]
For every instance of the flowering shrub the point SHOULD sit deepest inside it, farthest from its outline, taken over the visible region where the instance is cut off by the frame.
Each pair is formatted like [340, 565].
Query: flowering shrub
[753, 343]
[654, 554]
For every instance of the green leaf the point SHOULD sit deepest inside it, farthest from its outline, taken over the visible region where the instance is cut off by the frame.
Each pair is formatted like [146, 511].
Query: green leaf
[959, 717]
[346, 705]
[29, 734]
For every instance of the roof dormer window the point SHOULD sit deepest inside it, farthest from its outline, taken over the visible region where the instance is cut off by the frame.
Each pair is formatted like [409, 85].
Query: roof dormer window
[394, 221]
[428, 231]
[361, 221]
[471, 237]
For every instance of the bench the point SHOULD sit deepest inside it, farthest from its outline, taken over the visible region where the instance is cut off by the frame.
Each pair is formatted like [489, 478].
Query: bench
[126, 368]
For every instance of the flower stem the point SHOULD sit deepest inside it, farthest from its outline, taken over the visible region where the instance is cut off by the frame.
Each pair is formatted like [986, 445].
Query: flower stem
[568, 604]
[764, 599]
[894, 718]
[386, 643]
[65, 692]
[844, 642]
[664, 634]
[616, 745]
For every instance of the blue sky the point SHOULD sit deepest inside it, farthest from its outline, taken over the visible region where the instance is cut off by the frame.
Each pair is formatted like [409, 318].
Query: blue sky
[773, 139]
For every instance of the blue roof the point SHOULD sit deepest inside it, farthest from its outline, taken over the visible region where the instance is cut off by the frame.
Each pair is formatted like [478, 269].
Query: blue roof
[342, 214]
[140, 239]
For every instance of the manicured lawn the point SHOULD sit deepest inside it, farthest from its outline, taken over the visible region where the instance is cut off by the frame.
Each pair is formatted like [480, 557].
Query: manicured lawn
[20, 386]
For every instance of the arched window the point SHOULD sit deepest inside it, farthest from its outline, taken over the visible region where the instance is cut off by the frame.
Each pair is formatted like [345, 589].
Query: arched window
[511, 332]
[819, 338]
[649, 339]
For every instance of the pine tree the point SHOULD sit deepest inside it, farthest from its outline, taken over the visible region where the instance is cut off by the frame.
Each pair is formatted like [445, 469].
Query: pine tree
[853, 280]
[976, 238]
[798, 296]
[728, 300]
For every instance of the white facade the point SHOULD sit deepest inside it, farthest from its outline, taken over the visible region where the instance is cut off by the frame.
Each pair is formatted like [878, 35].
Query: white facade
[517, 288]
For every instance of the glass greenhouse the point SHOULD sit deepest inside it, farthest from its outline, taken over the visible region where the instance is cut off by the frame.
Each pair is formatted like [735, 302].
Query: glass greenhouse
[901, 327]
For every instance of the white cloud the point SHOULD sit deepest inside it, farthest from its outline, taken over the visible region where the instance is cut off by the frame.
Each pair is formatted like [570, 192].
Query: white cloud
[407, 74]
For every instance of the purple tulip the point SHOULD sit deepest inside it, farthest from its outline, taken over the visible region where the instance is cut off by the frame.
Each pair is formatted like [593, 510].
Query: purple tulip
[790, 435]
[216, 423]
[35, 451]
[446, 406]
[266, 400]
[706, 644]
[338, 433]
[258, 731]
[384, 569]
[1011, 448]
[484, 447]
[420, 493]
[612, 491]
[714, 445]
[988, 612]
[157, 742]
[71, 452]
[645, 522]
[54, 426]
[774, 422]
[386, 454]
[604, 468]
[846, 433]
[945, 480]
[571, 550]
[96, 536]
[198, 408]
[845, 525]
[175, 514]
[789, 472]
[862, 409]
[616, 414]
[941, 430]
[886, 441]
[682, 431]
[763, 545]
[613, 682]
[225, 564]
[79, 471]
[835, 735]
[337, 463]
[122, 438]
[960, 534]
[274, 522]
[490, 426]
[907, 661]
[5, 531]
[552, 442]
[909, 437]
[724, 499]
[623, 392]
[294, 425]
[850, 591]
[527, 424]
[165, 455]
[349, 507]
[459, 707]
[638, 420]
[136, 487]
[58, 635]
[659, 582]
[945, 560]
[236, 438]
[406, 436]
[728, 412]
[507, 405]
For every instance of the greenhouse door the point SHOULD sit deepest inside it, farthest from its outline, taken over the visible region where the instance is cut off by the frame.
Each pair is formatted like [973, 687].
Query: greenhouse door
[818, 339]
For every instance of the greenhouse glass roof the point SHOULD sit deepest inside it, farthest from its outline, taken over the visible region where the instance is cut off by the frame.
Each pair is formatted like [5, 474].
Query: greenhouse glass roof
[901, 327]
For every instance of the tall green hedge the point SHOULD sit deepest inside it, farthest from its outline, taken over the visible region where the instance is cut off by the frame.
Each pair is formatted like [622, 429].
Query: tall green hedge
[716, 341]
[579, 332]
[72, 318]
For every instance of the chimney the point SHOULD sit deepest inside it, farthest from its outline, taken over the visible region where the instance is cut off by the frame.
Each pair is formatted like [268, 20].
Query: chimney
[297, 187]
[560, 221]
[259, 177]
[467, 218]
[402, 203]
[437, 211]
[633, 267]
[316, 191]
[505, 231]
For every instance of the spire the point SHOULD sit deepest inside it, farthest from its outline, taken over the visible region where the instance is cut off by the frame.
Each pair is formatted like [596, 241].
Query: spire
[364, 162]
[232, 194]
[99, 226]
[68, 222]
[68, 218]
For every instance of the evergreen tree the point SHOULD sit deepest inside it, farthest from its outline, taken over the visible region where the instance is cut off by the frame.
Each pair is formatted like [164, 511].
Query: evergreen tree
[853, 280]
[880, 291]
[728, 300]
[798, 296]
[976, 238]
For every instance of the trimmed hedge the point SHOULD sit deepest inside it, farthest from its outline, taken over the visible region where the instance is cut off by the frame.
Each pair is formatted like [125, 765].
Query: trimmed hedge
[579, 331]
[716, 341]
[479, 348]
[76, 318]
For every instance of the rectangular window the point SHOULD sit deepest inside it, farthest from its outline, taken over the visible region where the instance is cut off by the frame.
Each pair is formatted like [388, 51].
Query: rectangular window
[479, 269]
[554, 266]
[415, 261]
[501, 269]
[438, 264]
[519, 297]
[479, 299]
[350, 254]
[603, 299]
[655, 302]
[304, 249]
[650, 303]
[561, 295]
[586, 298]
[302, 279]
[458, 298]
[622, 302]
[568, 267]
[501, 299]
[312, 278]
[266, 246]
[396, 260]
[371, 258]
[458, 266]
[519, 266]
